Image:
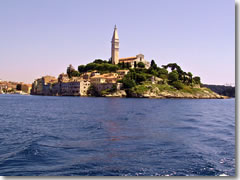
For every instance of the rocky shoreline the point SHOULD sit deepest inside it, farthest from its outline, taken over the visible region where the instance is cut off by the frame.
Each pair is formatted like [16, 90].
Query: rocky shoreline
[204, 94]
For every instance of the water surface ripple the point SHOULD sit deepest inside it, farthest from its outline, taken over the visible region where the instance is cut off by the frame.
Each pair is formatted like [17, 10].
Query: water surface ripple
[72, 136]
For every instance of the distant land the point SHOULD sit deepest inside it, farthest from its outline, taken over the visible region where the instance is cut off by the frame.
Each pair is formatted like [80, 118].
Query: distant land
[222, 90]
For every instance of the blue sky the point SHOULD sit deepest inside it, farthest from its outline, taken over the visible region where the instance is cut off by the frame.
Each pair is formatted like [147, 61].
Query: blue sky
[43, 37]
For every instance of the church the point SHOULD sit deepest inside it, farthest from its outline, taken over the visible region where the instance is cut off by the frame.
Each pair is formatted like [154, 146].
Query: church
[131, 60]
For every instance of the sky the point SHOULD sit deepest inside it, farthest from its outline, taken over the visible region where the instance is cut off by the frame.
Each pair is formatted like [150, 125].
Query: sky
[43, 37]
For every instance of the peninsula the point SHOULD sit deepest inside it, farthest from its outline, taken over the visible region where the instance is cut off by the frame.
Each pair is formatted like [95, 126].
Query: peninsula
[124, 77]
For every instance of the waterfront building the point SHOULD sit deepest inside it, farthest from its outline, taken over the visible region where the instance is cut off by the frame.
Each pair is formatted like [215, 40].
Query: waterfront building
[75, 88]
[106, 82]
[3, 87]
[56, 89]
[43, 86]
[26, 88]
[1, 90]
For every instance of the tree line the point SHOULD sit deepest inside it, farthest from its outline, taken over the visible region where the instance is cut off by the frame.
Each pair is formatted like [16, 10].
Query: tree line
[171, 73]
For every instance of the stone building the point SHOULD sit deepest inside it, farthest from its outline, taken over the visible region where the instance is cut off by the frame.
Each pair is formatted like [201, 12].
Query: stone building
[63, 78]
[122, 72]
[87, 75]
[26, 88]
[105, 78]
[43, 86]
[75, 88]
[106, 82]
[135, 60]
[115, 53]
[56, 89]
[63, 86]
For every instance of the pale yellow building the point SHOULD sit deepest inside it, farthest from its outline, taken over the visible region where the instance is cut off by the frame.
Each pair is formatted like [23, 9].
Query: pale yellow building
[26, 88]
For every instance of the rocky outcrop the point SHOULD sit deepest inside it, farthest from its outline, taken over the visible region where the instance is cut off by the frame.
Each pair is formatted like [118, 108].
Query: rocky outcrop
[119, 93]
[155, 93]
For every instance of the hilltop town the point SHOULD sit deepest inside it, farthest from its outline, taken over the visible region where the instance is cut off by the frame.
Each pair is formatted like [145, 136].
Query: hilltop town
[123, 77]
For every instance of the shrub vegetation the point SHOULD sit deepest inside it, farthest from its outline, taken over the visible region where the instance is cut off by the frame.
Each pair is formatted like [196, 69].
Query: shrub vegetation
[171, 75]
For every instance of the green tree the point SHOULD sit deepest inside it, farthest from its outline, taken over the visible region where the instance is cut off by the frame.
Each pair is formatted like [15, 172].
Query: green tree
[111, 68]
[141, 65]
[135, 64]
[190, 75]
[128, 65]
[173, 76]
[128, 83]
[90, 66]
[153, 64]
[185, 77]
[173, 67]
[197, 80]
[152, 71]
[92, 90]
[162, 71]
[75, 73]
[99, 61]
[123, 65]
[178, 85]
[140, 78]
[113, 88]
[81, 68]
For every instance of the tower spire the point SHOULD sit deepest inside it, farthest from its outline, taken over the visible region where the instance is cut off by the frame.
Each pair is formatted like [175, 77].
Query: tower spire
[115, 46]
[115, 34]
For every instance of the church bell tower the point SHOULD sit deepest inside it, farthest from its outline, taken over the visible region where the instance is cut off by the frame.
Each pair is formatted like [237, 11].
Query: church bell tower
[115, 47]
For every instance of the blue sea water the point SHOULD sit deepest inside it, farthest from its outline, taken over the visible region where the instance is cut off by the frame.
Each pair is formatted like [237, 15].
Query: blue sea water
[83, 136]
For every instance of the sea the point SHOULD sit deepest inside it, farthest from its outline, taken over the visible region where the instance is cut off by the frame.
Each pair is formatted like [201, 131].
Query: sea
[88, 136]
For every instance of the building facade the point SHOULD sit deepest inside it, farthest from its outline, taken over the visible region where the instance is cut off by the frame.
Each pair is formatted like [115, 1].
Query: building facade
[26, 88]
[133, 61]
[63, 86]
[75, 88]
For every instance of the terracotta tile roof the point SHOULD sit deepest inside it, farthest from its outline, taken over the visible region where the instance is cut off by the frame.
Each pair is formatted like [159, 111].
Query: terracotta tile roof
[127, 58]
[99, 76]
